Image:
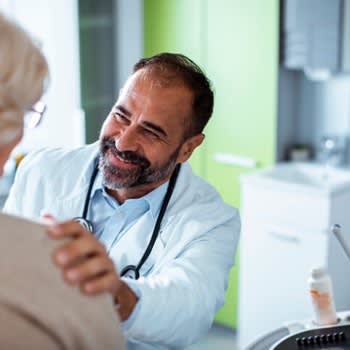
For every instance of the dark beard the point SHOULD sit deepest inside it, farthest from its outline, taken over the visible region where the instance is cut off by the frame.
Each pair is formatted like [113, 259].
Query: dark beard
[143, 173]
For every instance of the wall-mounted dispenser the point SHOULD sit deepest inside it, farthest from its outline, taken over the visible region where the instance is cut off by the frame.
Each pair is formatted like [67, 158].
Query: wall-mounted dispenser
[316, 37]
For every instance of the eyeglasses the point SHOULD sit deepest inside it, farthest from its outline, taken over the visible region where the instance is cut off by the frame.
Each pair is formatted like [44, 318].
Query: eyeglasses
[34, 116]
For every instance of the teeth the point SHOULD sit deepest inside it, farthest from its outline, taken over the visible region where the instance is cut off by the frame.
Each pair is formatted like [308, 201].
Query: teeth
[123, 160]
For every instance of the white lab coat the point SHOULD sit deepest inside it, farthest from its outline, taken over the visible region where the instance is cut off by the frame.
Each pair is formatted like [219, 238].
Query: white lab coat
[183, 281]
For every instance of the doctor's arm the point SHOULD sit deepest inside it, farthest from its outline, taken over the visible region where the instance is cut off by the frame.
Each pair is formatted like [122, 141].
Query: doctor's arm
[178, 301]
[27, 192]
[17, 202]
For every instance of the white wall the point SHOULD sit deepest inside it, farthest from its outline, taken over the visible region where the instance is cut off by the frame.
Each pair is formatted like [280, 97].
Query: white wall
[309, 110]
[55, 24]
[324, 107]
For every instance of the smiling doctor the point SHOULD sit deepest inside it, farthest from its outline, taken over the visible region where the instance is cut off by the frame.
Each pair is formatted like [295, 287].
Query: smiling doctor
[162, 241]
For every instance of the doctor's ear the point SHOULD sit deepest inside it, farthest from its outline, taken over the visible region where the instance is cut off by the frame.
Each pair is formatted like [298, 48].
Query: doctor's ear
[189, 146]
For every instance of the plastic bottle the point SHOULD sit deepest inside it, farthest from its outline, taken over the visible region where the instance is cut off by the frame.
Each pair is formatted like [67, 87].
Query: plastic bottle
[321, 293]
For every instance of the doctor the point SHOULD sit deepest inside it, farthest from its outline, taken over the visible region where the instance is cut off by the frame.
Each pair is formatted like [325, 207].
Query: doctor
[162, 241]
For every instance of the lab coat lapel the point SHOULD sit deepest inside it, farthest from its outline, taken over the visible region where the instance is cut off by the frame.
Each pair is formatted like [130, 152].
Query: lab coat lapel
[70, 208]
[69, 205]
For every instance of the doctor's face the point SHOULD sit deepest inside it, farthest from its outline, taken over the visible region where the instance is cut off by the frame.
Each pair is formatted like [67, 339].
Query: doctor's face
[142, 138]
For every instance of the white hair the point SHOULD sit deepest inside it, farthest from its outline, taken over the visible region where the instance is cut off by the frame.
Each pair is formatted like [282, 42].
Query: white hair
[23, 71]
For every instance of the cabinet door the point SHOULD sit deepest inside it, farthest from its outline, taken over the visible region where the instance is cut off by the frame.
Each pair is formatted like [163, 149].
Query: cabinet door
[236, 43]
[177, 26]
[242, 61]
[97, 62]
[275, 264]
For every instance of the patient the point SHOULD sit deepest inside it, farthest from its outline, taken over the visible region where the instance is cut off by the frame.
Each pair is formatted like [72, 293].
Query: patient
[37, 309]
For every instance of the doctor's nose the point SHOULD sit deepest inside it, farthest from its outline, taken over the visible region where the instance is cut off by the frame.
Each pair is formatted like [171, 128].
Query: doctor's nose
[126, 141]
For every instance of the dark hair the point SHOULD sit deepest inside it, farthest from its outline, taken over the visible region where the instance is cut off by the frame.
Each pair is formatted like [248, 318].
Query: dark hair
[173, 66]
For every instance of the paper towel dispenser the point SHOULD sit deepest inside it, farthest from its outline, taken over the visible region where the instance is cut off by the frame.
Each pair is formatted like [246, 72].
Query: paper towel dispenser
[316, 36]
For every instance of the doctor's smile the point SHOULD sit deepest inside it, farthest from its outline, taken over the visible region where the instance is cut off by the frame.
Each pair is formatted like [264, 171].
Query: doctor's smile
[120, 161]
[124, 159]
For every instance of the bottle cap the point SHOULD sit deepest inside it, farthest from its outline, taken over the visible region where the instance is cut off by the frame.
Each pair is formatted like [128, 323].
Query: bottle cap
[318, 272]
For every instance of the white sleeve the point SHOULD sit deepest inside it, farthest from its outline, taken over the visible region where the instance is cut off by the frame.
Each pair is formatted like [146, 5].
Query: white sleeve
[20, 193]
[177, 305]
[13, 204]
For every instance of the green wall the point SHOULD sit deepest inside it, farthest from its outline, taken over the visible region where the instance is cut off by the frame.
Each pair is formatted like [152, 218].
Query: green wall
[177, 26]
[236, 43]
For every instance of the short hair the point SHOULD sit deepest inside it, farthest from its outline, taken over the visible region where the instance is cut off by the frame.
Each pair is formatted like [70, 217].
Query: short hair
[172, 66]
[23, 70]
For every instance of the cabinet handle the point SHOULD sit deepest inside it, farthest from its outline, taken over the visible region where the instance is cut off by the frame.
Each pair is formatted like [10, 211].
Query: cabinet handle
[285, 237]
[234, 159]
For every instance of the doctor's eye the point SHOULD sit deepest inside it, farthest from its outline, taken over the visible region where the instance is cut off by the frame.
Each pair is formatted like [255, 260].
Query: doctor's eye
[120, 117]
[151, 134]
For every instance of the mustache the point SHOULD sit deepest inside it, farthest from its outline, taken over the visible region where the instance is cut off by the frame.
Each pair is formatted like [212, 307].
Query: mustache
[129, 156]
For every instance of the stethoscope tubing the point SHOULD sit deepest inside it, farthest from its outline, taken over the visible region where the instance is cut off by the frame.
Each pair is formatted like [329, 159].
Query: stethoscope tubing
[135, 269]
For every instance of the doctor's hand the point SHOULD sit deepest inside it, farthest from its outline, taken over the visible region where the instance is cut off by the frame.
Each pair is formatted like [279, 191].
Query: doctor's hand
[85, 263]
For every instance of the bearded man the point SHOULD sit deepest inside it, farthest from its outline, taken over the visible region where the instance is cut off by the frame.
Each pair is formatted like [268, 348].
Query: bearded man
[142, 225]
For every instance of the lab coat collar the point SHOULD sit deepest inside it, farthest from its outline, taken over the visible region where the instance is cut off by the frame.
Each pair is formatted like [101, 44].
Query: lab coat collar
[70, 199]
[153, 199]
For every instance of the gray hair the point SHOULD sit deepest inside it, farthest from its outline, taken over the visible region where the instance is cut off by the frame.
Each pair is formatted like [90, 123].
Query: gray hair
[23, 71]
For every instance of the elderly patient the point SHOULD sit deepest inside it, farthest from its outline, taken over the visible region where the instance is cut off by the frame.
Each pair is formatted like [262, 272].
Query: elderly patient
[37, 309]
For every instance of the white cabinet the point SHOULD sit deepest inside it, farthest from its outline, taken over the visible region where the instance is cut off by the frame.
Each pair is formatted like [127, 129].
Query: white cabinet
[316, 35]
[285, 232]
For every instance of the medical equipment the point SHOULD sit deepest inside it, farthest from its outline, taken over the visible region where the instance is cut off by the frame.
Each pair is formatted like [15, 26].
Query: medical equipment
[282, 240]
[132, 271]
[336, 230]
[304, 335]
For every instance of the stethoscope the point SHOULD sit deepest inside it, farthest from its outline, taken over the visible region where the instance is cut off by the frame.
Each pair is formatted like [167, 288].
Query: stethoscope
[132, 271]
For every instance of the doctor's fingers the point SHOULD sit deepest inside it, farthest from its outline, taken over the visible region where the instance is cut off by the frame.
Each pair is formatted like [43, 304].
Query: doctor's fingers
[66, 229]
[106, 283]
[74, 251]
[89, 269]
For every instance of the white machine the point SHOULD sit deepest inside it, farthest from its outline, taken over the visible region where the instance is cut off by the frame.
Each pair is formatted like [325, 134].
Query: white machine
[286, 214]
[304, 335]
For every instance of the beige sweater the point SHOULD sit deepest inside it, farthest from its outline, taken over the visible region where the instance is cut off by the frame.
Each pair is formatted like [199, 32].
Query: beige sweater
[37, 309]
